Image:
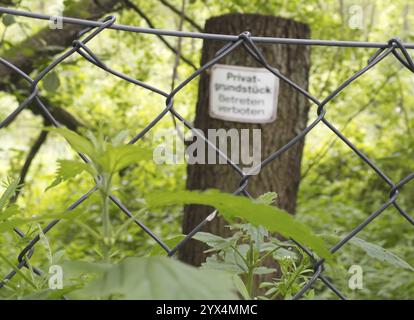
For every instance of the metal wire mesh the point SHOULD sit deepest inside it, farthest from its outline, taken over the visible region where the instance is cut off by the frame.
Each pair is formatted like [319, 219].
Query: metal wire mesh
[245, 40]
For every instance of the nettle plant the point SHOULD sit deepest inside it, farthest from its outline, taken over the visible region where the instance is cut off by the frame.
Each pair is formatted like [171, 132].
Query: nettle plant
[248, 253]
[231, 270]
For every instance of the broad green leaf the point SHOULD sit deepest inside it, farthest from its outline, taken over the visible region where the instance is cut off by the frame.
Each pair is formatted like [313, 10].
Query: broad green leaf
[228, 266]
[210, 239]
[117, 158]
[159, 278]
[68, 169]
[49, 294]
[77, 268]
[107, 157]
[232, 207]
[381, 254]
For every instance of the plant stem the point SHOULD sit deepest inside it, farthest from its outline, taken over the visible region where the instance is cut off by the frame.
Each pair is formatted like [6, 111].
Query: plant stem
[250, 266]
[106, 221]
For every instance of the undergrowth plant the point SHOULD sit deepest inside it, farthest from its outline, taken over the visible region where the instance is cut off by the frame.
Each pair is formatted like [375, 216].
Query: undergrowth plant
[234, 263]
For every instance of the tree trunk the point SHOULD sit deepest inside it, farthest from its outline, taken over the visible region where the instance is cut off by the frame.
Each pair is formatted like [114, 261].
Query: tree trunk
[283, 174]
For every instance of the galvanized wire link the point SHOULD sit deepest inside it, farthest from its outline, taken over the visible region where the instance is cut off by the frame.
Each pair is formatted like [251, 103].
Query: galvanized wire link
[245, 40]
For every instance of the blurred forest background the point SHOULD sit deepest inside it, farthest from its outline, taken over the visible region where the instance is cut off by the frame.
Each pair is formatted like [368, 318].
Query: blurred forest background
[337, 190]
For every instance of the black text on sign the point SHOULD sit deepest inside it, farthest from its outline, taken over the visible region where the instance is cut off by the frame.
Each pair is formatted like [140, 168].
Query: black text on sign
[243, 94]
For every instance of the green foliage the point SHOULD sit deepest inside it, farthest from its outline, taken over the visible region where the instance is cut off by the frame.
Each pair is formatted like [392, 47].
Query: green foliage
[337, 190]
[156, 278]
[51, 82]
[68, 169]
[248, 254]
[381, 254]
[107, 158]
[256, 213]
[11, 187]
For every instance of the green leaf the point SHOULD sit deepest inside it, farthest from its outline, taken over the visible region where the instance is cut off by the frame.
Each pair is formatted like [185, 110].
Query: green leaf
[49, 294]
[68, 169]
[77, 268]
[267, 198]
[231, 207]
[107, 157]
[117, 158]
[79, 143]
[241, 287]
[283, 253]
[264, 270]
[8, 20]
[51, 82]
[159, 278]
[228, 265]
[17, 222]
[9, 212]
[379, 253]
[11, 187]
[210, 239]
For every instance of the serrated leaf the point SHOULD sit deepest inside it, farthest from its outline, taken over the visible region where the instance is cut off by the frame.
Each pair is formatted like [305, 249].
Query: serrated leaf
[232, 207]
[68, 169]
[117, 158]
[379, 253]
[159, 278]
[106, 157]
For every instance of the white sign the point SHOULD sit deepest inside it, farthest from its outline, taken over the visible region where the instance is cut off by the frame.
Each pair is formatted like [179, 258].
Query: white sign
[243, 94]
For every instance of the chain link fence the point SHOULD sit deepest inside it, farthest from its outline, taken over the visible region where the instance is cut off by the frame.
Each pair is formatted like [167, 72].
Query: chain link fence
[93, 28]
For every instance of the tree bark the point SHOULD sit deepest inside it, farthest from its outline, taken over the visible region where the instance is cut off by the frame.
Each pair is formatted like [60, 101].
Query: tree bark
[283, 174]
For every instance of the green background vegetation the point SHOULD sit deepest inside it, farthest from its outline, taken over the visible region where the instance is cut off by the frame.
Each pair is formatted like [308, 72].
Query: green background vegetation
[337, 190]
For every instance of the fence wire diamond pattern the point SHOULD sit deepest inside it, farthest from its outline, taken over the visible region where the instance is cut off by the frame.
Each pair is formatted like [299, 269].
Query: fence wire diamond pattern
[394, 47]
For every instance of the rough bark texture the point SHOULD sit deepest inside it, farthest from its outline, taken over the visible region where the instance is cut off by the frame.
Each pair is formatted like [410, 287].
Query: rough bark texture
[282, 175]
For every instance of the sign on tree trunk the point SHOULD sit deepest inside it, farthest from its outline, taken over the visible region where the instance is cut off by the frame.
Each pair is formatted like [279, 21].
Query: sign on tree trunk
[238, 94]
